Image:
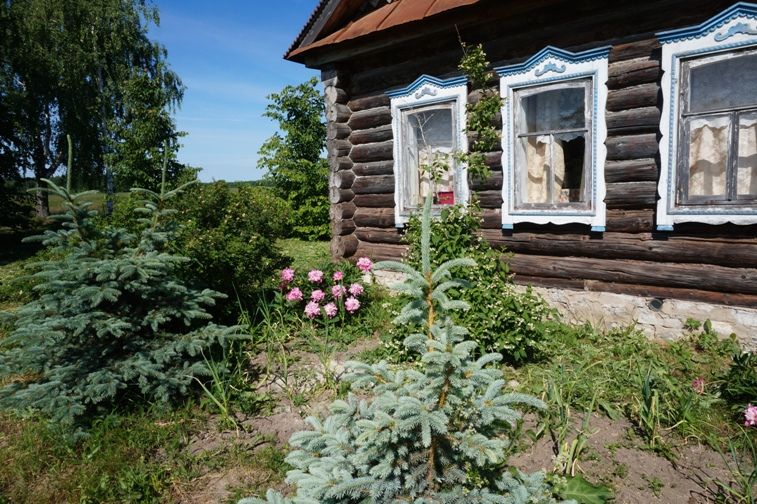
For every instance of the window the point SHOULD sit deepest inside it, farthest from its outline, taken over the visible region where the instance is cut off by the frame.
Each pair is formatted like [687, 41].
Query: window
[709, 122]
[553, 139]
[428, 122]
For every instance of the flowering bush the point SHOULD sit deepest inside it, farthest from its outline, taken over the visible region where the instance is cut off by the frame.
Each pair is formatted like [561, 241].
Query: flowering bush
[331, 293]
[750, 416]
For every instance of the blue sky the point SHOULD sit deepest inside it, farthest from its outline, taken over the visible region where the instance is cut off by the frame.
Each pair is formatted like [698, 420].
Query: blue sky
[229, 55]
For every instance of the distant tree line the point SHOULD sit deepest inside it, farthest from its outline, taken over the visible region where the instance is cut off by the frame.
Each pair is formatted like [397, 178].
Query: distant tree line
[85, 68]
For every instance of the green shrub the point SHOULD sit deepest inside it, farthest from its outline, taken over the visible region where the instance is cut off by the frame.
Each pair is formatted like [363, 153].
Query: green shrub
[111, 320]
[229, 235]
[504, 320]
[740, 385]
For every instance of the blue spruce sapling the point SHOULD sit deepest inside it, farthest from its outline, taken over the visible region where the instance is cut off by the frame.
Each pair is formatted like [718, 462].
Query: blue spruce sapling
[438, 432]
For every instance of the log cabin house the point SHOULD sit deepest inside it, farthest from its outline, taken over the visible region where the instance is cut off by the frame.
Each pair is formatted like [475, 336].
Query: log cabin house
[626, 184]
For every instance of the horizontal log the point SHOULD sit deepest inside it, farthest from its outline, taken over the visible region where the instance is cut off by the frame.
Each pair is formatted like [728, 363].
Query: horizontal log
[643, 95]
[339, 148]
[337, 195]
[649, 291]
[374, 217]
[381, 251]
[342, 211]
[338, 113]
[363, 136]
[336, 94]
[342, 227]
[338, 131]
[630, 221]
[492, 182]
[642, 246]
[625, 147]
[638, 120]
[631, 195]
[368, 102]
[370, 118]
[374, 168]
[381, 151]
[491, 218]
[343, 179]
[490, 199]
[378, 184]
[647, 48]
[493, 160]
[343, 247]
[340, 163]
[632, 170]
[374, 200]
[380, 235]
[711, 277]
[633, 72]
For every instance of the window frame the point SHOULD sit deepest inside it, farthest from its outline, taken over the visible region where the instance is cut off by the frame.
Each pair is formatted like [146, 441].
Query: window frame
[425, 93]
[730, 34]
[553, 68]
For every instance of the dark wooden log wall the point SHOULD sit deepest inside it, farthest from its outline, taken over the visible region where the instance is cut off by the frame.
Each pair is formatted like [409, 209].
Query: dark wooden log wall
[699, 262]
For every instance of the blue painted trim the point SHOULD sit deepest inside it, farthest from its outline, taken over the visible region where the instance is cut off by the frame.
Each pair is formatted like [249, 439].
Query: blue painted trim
[664, 228]
[555, 53]
[740, 9]
[597, 229]
[425, 80]
[508, 227]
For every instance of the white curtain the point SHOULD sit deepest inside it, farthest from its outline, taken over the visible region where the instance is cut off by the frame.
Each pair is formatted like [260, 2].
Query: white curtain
[746, 176]
[708, 155]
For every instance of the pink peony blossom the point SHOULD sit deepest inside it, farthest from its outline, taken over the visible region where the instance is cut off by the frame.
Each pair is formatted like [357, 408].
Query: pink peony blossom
[294, 295]
[287, 275]
[312, 310]
[698, 385]
[356, 289]
[338, 276]
[337, 291]
[351, 304]
[315, 276]
[330, 310]
[750, 416]
[364, 264]
[317, 295]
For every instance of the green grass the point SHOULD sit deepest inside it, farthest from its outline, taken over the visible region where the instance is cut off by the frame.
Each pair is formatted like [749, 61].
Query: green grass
[305, 254]
[97, 199]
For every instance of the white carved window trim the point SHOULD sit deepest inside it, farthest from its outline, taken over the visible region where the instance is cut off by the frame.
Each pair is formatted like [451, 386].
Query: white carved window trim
[428, 91]
[546, 68]
[732, 30]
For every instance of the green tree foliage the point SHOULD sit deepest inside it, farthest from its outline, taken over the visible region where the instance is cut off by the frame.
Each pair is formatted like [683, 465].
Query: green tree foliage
[230, 236]
[293, 157]
[85, 68]
[111, 320]
[435, 433]
[516, 324]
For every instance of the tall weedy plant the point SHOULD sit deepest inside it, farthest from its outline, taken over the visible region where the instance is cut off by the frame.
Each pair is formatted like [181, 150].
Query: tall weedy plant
[433, 433]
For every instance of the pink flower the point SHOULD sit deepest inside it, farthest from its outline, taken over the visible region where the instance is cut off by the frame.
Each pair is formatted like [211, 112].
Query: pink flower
[698, 385]
[351, 304]
[364, 264]
[287, 275]
[356, 289]
[338, 276]
[317, 295]
[337, 291]
[312, 310]
[330, 310]
[315, 276]
[750, 416]
[294, 295]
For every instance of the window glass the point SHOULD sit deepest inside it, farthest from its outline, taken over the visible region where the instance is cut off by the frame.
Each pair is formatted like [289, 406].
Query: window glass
[550, 151]
[746, 177]
[708, 155]
[724, 84]
[429, 144]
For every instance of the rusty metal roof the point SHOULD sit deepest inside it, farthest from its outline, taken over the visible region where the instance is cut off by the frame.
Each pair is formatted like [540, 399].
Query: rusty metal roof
[395, 13]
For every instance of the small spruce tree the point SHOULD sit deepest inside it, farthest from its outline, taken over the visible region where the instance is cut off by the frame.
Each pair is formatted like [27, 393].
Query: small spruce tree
[438, 432]
[111, 319]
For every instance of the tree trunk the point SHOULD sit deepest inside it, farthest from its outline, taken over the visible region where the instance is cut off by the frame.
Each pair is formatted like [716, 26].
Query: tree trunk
[41, 199]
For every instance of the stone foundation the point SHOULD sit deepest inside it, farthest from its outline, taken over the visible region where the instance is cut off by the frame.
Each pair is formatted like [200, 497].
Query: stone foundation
[662, 319]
